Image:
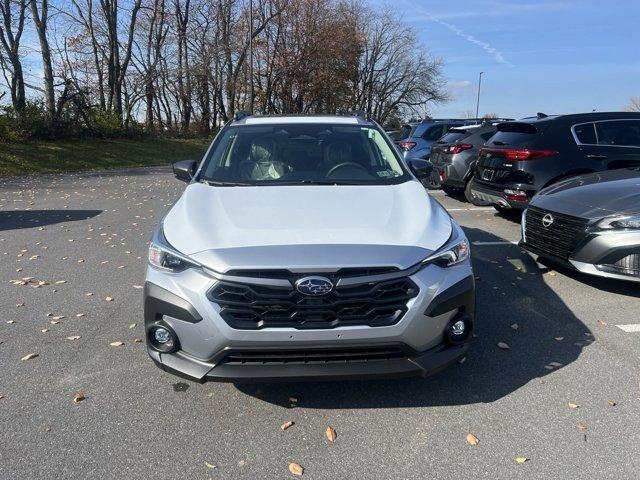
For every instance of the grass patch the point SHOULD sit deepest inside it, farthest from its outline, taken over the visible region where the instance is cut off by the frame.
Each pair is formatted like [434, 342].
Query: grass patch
[76, 155]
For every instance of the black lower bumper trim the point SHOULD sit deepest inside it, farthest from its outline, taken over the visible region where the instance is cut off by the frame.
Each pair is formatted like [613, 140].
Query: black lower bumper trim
[461, 295]
[428, 363]
[159, 301]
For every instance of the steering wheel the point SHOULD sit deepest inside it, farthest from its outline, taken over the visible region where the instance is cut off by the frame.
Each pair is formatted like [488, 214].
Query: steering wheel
[344, 165]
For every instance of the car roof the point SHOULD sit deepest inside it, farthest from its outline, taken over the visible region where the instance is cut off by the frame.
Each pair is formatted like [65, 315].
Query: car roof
[581, 117]
[301, 119]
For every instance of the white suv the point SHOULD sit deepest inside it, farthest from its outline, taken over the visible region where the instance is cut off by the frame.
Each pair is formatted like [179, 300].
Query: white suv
[303, 247]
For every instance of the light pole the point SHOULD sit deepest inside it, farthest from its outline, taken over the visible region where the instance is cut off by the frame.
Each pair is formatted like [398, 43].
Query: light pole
[252, 92]
[478, 102]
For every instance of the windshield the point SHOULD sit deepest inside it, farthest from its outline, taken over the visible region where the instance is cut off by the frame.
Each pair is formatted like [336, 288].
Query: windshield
[302, 153]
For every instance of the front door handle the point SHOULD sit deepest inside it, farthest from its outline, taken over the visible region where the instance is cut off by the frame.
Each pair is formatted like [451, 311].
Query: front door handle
[595, 156]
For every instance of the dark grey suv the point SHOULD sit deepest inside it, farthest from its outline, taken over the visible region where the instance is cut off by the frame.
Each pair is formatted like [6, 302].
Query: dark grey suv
[526, 156]
[453, 154]
[415, 139]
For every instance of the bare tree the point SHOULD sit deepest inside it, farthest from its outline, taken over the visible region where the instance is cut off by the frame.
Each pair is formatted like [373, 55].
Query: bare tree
[634, 105]
[40, 14]
[12, 23]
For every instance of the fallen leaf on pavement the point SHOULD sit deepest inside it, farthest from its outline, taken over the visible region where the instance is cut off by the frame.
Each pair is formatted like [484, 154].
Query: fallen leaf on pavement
[108, 299]
[331, 434]
[503, 346]
[515, 326]
[137, 286]
[286, 425]
[472, 439]
[137, 340]
[611, 403]
[29, 357]
[296, 469]
[574, 405]
[133, 325]
[582, 427]
[79, 315]
[78, 397]
[73, 337]
[210, 465]
[521, 459]
[559, 338]
[116, 344]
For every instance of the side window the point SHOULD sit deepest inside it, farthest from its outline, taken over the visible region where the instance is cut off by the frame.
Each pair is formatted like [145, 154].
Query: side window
[619, 132]
[433, 133]
[585, 133]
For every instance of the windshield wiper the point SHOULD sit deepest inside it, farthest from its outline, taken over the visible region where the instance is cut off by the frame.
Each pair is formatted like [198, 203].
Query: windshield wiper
[218, 183]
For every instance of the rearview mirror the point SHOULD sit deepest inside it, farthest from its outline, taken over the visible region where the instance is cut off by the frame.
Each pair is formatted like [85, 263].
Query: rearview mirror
[185, 170]
[421, 168]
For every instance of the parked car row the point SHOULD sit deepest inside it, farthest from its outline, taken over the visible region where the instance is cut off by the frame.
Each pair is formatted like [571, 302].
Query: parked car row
[576, 177]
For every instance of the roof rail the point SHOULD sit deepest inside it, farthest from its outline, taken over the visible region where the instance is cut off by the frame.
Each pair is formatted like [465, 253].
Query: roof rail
[240, 114]
[359, 113]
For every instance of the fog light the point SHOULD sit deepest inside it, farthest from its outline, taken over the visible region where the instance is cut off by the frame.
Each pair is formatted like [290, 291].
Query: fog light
[457, 328]
[162, 338]
[162, 335]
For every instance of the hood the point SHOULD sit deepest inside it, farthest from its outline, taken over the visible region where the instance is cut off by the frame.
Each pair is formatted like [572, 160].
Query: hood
[594, 195]
[307, 226]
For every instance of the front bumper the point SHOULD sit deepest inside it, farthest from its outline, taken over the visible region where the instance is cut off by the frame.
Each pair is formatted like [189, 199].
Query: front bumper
[599, 254]
[210, 348]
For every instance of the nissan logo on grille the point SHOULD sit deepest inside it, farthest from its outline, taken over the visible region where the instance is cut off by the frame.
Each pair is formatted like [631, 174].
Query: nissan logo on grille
[314, 286]
[547, 220]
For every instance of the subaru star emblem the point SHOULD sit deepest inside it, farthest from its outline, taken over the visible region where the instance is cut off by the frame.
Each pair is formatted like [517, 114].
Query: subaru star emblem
[314, 285]
[547, 220]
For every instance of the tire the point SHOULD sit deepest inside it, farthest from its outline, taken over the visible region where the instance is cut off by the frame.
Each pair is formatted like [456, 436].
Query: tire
[451, 191]
[433, 182]
[509, 213]
[471, 198]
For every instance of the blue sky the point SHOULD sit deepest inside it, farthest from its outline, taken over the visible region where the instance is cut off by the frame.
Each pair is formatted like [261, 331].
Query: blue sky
[537, 56]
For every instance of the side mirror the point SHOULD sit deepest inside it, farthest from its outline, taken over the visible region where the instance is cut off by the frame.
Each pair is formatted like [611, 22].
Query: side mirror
[185, 170]
[421, 168]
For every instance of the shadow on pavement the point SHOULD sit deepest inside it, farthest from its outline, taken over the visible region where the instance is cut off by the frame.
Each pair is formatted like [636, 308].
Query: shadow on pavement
[16, 219]
[514, 306]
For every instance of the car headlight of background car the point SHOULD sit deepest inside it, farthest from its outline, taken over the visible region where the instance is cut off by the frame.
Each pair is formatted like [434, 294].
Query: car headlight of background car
[164, 257]
[630, 222]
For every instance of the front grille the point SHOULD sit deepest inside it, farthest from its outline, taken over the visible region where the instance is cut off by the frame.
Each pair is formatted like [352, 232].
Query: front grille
[559, 239]
[245, 306]
[307, 357]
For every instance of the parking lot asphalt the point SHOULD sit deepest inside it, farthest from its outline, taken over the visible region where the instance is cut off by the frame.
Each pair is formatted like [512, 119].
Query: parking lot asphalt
[565, 395]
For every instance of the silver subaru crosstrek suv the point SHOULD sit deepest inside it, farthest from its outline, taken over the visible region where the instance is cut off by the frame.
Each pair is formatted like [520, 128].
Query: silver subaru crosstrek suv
[303, 247]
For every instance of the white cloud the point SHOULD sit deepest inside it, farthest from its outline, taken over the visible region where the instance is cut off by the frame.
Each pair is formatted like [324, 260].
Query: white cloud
[457, 85]
[497, 55]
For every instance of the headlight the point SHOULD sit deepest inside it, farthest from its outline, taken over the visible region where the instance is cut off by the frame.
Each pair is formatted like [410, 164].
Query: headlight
[631, 222]
[164, 257]
[458, 253]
